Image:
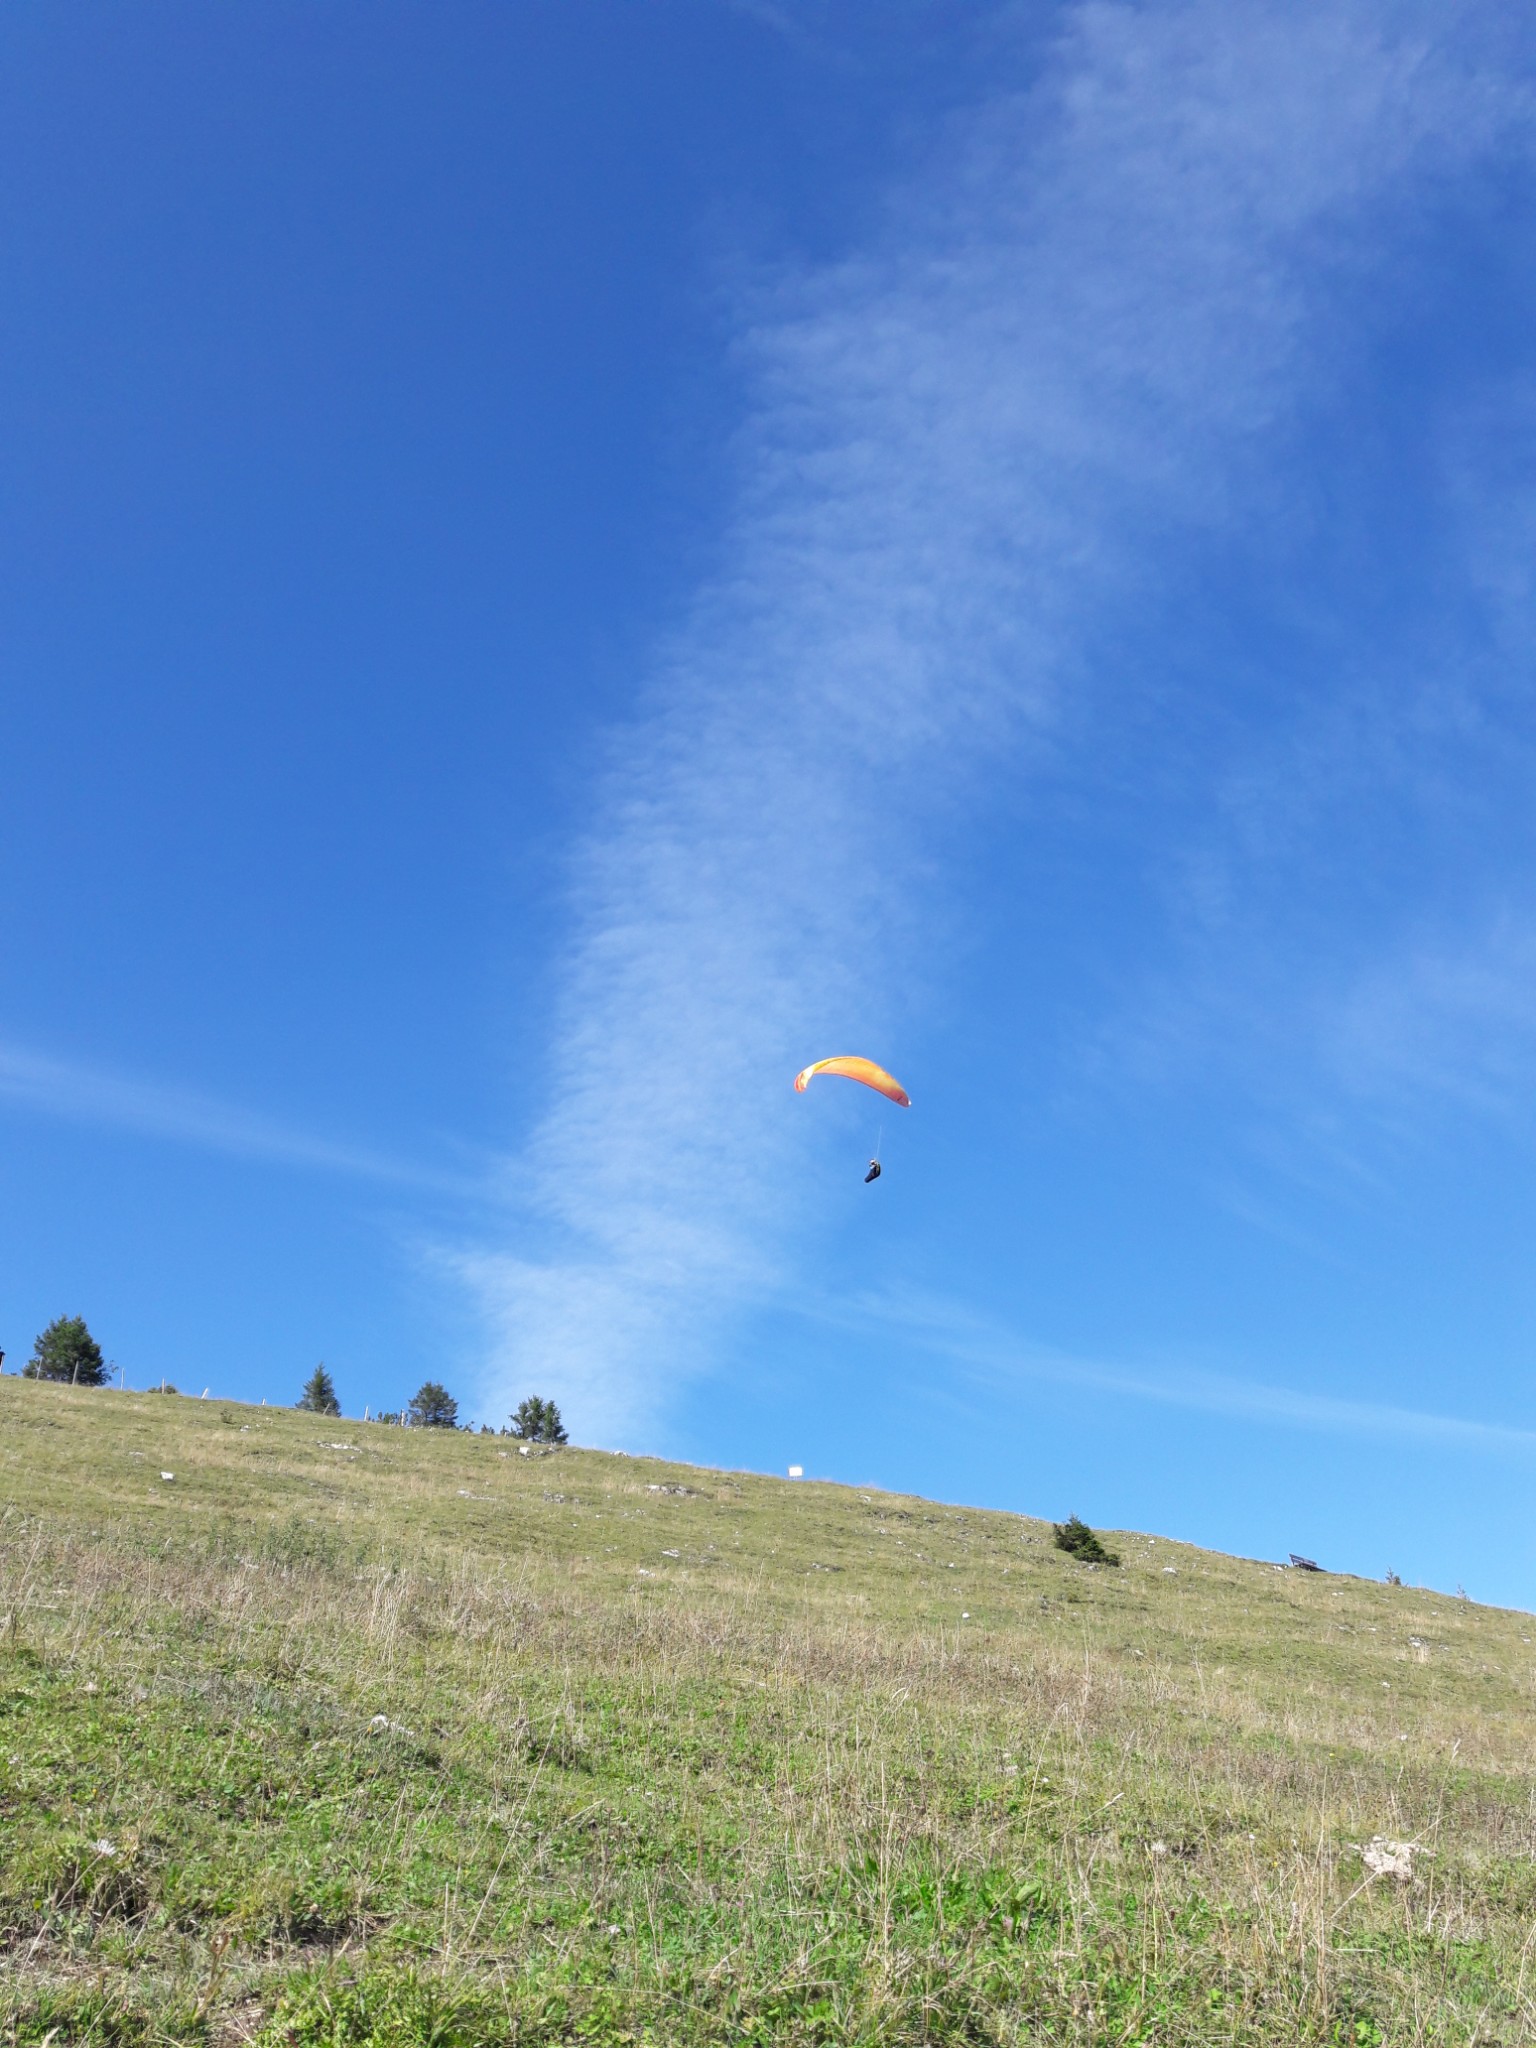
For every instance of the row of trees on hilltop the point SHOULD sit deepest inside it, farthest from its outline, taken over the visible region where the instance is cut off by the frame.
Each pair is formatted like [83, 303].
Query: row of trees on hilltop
[536, 1420]
[66, 1351]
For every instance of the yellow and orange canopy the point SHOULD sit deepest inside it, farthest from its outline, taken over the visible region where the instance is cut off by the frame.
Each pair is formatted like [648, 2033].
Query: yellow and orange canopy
[855, 1069]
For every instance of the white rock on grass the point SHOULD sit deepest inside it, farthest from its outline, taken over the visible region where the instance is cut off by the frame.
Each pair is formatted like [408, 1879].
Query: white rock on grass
[1385, 1858]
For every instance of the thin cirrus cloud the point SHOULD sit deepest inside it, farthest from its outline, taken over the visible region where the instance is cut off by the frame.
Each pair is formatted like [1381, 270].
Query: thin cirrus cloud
[1456, 1020]
[1349, 935]
[995, 1358]
[82, 1094]
[1080, 329]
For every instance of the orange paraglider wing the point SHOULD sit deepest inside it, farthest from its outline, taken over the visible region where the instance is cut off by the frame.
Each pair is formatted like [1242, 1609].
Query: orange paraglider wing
[855, 1069]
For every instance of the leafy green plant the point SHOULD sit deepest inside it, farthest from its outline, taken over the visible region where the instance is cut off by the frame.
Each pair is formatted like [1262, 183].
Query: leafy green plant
[401, 2009]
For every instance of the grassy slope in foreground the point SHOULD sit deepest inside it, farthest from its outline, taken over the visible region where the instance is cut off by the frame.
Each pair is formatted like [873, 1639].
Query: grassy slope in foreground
[348, 1734]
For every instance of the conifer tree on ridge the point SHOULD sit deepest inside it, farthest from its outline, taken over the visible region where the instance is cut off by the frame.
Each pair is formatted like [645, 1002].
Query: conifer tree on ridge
[319, 1395]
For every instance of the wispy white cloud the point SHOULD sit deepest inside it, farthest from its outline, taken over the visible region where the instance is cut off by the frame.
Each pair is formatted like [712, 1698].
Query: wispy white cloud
[1089, 316]
[1443, 1013]
[1351, 932]
[783, 21]
[1453, 1018]
[89, 1095]
[993, 1357]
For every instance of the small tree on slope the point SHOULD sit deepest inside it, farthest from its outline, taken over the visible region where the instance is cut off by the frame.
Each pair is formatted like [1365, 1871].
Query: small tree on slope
[1078, 1540]
[433, 1407]
[319, 1395]
[66, 1350]
[538, 1422]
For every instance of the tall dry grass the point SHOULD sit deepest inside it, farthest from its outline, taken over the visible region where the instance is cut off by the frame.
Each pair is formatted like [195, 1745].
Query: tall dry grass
[347, 1713]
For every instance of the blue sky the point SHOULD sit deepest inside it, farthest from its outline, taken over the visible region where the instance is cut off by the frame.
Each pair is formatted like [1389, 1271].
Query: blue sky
[560, 562]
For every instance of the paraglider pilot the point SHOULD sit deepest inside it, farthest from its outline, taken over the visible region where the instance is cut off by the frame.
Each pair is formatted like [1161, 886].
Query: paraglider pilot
[854, 1068]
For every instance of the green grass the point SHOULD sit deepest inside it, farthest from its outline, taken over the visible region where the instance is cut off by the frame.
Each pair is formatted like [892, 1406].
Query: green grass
[348, 1735]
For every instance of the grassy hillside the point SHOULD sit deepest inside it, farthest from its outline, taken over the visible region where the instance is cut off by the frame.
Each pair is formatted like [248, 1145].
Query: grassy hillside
[350, 1735]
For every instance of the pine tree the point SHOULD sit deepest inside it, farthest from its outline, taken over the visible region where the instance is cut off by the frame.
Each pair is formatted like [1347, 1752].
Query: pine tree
[66, 1350]
[433, 1407]
[1076, 1538]
[319, 1395]
[537, 1421]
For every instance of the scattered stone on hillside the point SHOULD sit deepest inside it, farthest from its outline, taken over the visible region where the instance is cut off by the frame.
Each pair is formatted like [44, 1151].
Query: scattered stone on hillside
[167, 1475]
[1385, 1858]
